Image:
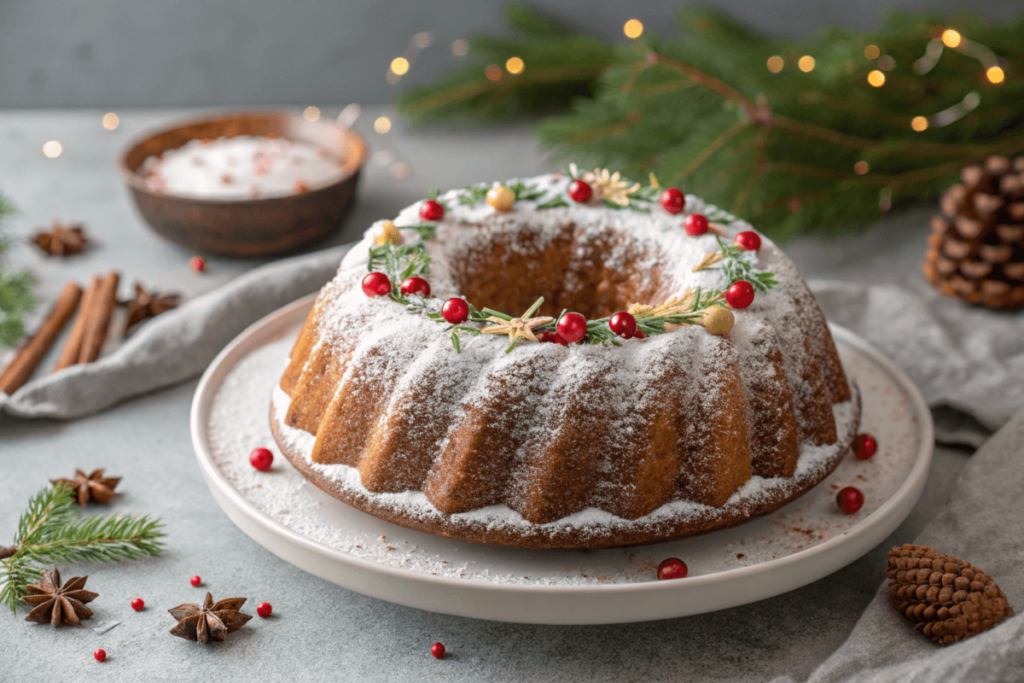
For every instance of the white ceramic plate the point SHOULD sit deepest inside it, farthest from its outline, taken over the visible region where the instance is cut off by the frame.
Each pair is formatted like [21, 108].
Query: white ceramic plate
[798, 544]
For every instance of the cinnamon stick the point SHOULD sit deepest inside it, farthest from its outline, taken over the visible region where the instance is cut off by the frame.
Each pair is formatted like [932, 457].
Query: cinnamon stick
[73, 346]
[101, 308]
[29, 357]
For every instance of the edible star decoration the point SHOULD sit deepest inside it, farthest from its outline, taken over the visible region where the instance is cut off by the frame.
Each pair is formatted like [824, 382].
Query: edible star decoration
[54, 603]
[516, 328]
[94, 486]
[147, 305]
[209, 622]
[62, 240]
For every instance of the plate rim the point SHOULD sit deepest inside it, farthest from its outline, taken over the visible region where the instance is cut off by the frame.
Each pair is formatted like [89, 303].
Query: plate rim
[876, 525]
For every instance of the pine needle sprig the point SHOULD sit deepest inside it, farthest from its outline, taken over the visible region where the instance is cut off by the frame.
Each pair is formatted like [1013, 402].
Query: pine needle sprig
[51, 531]
[736, 264]
[16, 296]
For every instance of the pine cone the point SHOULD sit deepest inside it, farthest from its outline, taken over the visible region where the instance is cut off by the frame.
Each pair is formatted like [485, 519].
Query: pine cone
[976, 250]
[948, 599]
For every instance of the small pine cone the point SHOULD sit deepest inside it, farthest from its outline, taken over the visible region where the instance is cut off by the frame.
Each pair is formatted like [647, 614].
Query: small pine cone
[947, 599]
[976, 249]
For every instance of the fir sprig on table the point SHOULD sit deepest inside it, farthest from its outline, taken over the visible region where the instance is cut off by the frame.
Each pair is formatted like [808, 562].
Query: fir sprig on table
[16, 296]
[52, 531]
[809, 148]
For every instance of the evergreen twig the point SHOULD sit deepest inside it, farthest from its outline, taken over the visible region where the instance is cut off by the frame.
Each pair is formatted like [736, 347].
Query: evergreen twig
[16, 296]
[51, 531]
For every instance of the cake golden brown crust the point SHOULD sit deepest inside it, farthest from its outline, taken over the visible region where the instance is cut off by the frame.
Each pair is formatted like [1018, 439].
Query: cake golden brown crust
[580, 446]
[568, 537]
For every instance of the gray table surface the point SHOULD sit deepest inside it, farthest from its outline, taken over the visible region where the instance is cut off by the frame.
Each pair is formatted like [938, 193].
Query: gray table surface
[320, 631]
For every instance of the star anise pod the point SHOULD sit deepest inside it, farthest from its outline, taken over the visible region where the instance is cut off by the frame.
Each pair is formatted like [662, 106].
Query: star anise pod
[55, 603]
[147, 305]
[92, 487]
[209, 622]
[62, 240]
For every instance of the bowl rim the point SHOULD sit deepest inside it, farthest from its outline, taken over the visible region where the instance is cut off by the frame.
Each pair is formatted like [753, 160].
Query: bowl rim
[133, 180]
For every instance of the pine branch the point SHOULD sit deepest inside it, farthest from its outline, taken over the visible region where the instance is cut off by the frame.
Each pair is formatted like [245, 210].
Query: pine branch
[792, 151]
[51, 531]
[16, 296]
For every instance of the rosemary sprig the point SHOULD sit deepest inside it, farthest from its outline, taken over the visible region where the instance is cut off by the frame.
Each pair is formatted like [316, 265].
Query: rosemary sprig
[737, 263]
[51, 531]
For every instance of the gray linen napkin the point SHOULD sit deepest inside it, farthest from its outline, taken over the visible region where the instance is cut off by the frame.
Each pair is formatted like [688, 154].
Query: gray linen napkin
[961, 357]
[176, 346]
[982, 524]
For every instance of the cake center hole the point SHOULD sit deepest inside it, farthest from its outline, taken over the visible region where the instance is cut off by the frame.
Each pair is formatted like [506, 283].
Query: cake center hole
[596, 272]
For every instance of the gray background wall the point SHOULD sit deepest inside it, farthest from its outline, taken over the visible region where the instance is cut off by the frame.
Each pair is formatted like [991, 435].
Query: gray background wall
[120, 53]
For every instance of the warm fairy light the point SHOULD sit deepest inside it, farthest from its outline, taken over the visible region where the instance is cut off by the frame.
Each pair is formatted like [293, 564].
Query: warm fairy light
[775, 64]
[995, 74]
[919, 123]
[876, 78]
[382, 125]
[311, 114]
[951, 38]
[460, 47]
[872, 52]
[52, 149]
[634, 28]
[493, 72]
[861, 167]
[111, 121]
[806, 63]
[514, 65]
[400, 66]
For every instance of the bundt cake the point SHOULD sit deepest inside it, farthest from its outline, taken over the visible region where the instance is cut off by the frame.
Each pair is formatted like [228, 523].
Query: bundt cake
[671, 375]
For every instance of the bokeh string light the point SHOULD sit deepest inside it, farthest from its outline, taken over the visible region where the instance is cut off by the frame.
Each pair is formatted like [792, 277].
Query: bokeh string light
[52, 149]
[633, 29]
[110, 121]
[311, 114]
[400, 65]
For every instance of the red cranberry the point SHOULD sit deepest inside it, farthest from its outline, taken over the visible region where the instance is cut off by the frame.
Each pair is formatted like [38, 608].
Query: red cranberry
[748, 240]
[437, 649]
[261, 459]
[455, 311]
[415, 285]
[864, 446]
[672, 568]
[138, 604]
[849, 499]
[99, 655]
[740, 294]
[572, 327]
[196, 581]
[623, 324]
[431, 210]
[695, 224]
[579, 191]
[264, 609]
[673, 200]
[376, 284]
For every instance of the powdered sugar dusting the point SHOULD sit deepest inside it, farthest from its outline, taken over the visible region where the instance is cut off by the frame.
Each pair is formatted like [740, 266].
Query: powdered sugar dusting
[238, 422]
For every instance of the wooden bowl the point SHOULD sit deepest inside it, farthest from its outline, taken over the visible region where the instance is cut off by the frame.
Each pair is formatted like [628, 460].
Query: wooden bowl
[251, 227]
